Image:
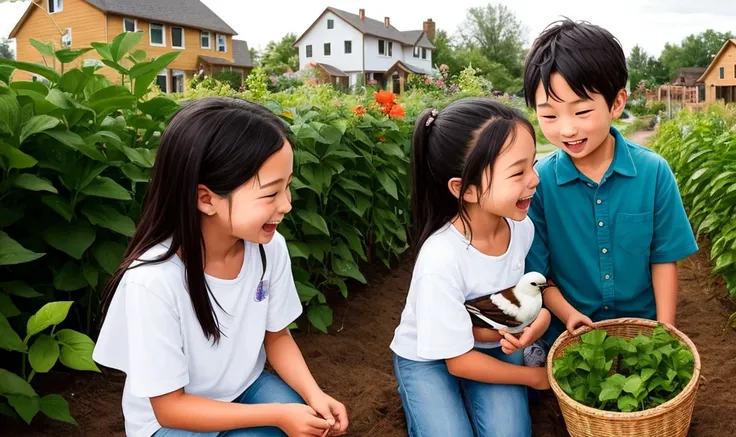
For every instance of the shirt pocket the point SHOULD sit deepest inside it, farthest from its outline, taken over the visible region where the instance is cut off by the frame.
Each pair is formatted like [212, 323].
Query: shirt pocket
[634, 232]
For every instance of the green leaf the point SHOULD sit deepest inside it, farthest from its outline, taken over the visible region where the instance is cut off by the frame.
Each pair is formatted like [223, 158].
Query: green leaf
[26, 407]
[8, 216]
[306, 291]
[647, 373]
[627, 404]
[74, 141]
[135, 173]
[388, 184]
[9, 339]
[45, 49]
[50, 314]
[13, 253]
[392, 149]
[108, 254]
[20, 289]
[91, 274]
[32, 182]
[37, 124]
[144, 78]
[298, 249]
[74, 81]
[122, 44]
[57, 408]
[70, 277]
[314, 219]
[76, 350]
[108, 217]
[40, 70]
[633, 383]
[62, 206]
[15, 158]
[320, 316]
[7, 307]
[106, 187]
[348, 269]
[159, 107]
[12, 384]
[142, 157]
[43, 354]
[66, 56]
[5, 73]
[9, 113]
[595, 337]
[103, 50]
[71, 238]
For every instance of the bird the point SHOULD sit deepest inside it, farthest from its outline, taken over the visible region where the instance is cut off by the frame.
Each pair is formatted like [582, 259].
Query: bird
[511, 309]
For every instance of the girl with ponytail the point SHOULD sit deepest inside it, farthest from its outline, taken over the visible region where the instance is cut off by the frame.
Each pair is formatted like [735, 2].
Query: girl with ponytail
[473, 180]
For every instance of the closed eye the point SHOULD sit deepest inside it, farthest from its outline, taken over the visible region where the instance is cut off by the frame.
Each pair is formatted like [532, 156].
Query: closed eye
[584, 112]
[549, 117]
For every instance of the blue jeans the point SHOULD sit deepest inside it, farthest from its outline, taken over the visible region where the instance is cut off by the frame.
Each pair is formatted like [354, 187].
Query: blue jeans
[439, 404]
[266, 389]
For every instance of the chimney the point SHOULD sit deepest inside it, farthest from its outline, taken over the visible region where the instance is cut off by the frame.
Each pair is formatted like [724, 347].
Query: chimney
[429, 29]
[387, 22]
[361, 13]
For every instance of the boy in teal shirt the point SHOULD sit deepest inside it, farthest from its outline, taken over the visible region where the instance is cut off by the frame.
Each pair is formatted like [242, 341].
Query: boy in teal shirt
[609, 221]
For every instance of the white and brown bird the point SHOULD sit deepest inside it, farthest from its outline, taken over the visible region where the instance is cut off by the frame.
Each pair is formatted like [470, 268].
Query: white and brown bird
[511, 309]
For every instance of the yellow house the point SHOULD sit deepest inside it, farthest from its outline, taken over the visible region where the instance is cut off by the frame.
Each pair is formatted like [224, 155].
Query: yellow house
[204, 39]
[720, 77]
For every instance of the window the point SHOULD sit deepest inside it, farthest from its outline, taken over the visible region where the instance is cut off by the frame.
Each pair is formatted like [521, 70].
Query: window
[424, 53]
[722, 72]
[177, 37]
[205, 37]
[221, 43]
[55, 6]
[385, 48]
[328, 49]
[130, 25]
[416, 52]
[309, 51]
[162, 80]
[330, 24]
[66, 40]
[390, 48]
[157, 34]
[348, 47]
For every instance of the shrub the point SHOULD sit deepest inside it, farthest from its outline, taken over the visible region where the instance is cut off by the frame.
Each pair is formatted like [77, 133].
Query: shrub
[75, 157]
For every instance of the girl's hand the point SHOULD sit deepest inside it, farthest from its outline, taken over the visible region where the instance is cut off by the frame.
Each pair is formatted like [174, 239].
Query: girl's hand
[530, 334]
[299, 420]
[577, 319]
[333, 411]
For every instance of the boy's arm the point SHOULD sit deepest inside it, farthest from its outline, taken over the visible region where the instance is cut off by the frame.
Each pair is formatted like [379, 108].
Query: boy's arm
[664, 280]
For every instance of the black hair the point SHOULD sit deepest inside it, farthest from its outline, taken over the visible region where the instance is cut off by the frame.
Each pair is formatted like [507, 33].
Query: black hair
[463, 140]
[219, 143]
[587, 56]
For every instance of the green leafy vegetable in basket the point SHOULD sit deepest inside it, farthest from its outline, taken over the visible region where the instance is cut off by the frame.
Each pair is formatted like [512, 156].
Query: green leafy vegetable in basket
[615, 374]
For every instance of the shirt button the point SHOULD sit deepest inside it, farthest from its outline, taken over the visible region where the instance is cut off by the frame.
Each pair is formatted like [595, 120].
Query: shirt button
[605, 308]
[605, 251]
[599, 201]
[608, 276]
[600, 224]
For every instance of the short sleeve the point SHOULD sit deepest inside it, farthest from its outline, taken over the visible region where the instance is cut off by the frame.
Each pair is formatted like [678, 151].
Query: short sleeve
[537, 258]
[284, 305]
[444, 329]
[673, 237]
[142, 337]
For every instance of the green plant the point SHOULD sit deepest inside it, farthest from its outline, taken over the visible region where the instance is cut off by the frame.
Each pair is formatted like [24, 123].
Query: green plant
[75, 154]
[612, 373]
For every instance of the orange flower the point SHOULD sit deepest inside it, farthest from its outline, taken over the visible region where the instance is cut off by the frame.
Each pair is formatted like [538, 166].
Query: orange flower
[386, 108]
[359, 110]
[397, 112]
[385, 97]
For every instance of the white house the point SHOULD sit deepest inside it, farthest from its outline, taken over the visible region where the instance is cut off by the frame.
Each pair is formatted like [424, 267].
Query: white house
[344, 45]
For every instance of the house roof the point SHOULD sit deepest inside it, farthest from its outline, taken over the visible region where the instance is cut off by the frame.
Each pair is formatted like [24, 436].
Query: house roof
[688, 76]
[369, 26]
[715, 59]
[241, 56]
[332, 71]
[190, 13]
[408, 68]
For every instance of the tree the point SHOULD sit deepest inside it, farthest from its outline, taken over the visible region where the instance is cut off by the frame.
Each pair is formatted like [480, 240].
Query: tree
[255, 57]
[444, 52]
[497, 34]
[5, 51]
[694, 50]
[279, 57]
[643, 67]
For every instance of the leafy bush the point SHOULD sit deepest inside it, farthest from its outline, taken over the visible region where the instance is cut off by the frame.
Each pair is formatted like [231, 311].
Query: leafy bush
[647, 371]
[75, 156]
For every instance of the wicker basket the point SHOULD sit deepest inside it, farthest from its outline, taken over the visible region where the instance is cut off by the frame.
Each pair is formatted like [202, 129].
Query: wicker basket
[670, 419]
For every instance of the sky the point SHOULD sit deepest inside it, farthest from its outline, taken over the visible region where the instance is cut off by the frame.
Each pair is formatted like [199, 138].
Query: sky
[649, 23]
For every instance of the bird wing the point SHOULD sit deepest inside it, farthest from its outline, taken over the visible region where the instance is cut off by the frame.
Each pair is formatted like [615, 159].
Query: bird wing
[485, 307]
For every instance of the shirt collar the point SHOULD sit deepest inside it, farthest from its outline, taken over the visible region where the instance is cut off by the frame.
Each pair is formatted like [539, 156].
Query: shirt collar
[623, 163]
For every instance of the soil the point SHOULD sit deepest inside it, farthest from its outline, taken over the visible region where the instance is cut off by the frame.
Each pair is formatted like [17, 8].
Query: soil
[353, 364]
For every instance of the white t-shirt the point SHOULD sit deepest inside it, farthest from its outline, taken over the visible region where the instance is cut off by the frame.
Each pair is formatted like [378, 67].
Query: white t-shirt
[151, 331]
[449, 271]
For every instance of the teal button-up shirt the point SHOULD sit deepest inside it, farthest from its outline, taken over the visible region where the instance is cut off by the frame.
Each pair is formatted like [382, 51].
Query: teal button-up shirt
[597, 241]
